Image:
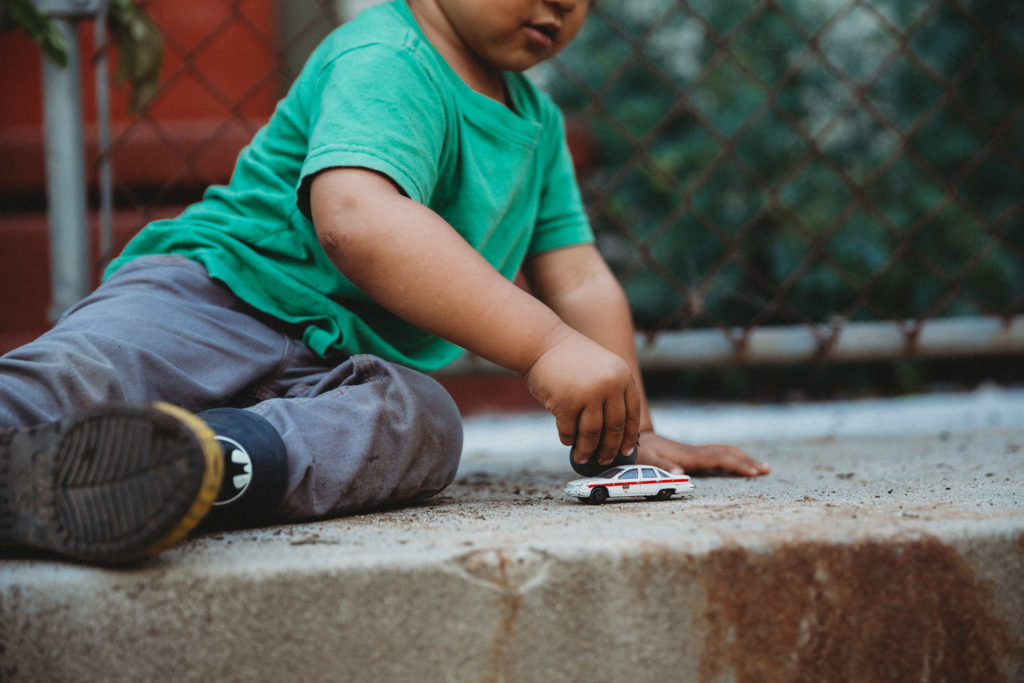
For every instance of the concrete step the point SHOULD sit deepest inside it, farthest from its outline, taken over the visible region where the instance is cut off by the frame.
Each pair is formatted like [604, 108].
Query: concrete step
[893, 555]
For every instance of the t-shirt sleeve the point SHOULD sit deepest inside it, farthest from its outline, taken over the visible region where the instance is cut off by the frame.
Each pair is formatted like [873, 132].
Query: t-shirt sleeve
[374, 107]
[562, 219]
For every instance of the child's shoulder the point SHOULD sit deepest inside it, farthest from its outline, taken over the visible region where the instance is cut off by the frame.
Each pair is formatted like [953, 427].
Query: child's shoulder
[388, 26]
[379, 35]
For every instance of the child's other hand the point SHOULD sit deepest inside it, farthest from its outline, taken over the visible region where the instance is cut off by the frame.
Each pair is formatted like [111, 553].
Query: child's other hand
[592, 394]
[677, 457]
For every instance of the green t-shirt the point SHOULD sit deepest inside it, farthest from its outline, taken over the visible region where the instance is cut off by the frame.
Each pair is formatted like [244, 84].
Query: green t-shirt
[375, 94]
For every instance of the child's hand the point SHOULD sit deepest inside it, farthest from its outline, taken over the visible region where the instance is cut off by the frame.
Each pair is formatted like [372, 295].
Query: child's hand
[678, 457]
[592, 394]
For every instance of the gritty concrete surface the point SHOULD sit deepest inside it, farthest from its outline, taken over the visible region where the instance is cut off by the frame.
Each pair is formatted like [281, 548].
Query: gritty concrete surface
[887, 544]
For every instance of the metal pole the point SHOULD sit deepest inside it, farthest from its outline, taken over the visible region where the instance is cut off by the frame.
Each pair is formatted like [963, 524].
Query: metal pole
[65, 171]
[105, 160]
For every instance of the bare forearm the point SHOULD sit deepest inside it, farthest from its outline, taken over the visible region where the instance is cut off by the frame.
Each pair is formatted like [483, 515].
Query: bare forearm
[414, 264]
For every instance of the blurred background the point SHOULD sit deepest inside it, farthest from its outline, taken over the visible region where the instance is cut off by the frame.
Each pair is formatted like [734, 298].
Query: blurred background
[802, 198]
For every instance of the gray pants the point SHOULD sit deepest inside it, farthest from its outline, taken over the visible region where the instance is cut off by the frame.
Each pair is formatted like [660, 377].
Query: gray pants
[359, 434]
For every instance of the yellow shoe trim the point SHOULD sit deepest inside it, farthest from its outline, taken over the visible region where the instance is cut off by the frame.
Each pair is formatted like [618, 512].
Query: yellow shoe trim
[211, 482]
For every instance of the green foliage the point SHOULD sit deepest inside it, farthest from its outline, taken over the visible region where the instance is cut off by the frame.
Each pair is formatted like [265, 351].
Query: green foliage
[140, 50]
[23, 14]
[785, 162]
[139, 41]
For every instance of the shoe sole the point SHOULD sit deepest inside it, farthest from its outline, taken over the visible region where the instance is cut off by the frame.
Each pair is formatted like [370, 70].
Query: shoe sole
[111, 484]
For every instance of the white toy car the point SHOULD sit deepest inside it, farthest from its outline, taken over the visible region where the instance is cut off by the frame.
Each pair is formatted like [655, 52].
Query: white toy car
[630, 481]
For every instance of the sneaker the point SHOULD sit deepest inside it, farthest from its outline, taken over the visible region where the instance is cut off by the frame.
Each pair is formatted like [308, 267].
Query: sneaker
[110, 484]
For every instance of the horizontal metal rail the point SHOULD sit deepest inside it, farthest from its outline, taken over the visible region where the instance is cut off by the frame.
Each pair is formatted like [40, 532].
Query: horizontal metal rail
[858, 341]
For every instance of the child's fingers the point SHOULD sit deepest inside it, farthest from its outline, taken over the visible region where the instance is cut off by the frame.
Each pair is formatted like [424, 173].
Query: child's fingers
[631, 434]
[676, 457]
[620, 427]
[664, 463]
[566, 425]
[588, 434]
[729, 458]
[612, 430]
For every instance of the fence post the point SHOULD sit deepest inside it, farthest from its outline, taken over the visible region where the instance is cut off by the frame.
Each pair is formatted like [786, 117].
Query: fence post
[65, 157]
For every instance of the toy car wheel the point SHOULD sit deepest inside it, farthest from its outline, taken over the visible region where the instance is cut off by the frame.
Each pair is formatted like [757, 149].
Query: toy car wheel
[664, 494]
[599, 495]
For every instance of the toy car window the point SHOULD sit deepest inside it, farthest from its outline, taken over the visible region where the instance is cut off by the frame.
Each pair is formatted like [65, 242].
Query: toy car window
[663, 474]
[649, 473]
[629, 474]
[610, 474]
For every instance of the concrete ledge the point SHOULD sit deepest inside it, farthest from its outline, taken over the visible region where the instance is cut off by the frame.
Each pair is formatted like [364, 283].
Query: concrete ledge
[886, 557]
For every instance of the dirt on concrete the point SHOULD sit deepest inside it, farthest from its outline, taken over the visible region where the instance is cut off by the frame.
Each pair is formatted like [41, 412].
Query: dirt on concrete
[859, 558]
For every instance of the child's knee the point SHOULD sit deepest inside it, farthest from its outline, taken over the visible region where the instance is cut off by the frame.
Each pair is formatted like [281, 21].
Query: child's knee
[415, 412]
[449, 435]
[384, 435]
[438, 424]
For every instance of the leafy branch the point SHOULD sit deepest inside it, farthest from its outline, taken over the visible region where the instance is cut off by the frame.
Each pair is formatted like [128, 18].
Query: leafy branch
[26, 16]
[139, 42]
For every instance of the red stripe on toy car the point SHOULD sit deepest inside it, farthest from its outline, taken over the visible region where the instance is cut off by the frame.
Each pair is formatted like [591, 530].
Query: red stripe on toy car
[631, 483]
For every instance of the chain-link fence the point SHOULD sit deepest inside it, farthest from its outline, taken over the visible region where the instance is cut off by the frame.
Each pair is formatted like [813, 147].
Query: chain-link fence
[770, 179]
[786, 171]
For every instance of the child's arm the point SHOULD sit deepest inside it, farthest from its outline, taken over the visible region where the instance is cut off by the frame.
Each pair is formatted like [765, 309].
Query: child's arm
[579, 287]
[409, 260]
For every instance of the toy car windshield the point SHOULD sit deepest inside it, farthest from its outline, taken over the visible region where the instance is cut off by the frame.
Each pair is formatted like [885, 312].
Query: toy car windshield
[612, 473]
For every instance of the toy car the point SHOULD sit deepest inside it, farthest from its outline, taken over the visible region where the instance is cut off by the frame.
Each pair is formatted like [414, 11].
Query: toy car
[632, 481]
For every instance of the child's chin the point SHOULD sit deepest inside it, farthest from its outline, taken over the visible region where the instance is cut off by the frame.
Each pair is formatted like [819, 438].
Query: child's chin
[523, 62]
